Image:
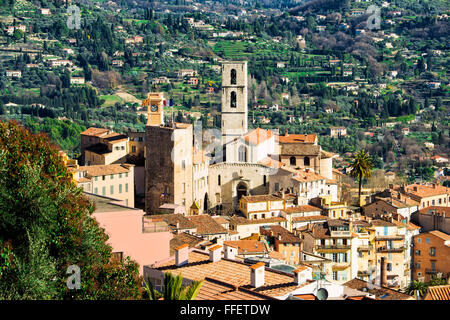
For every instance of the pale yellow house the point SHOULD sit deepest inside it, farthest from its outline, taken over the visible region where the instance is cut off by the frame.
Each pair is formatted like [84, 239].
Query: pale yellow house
[113, 181]
[262, 206]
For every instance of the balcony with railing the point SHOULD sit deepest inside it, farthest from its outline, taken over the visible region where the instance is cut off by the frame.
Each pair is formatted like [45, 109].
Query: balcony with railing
[391, 249]
[365, 247]
[388, 237]
[344, 233]
[341, 265]
[333, 247]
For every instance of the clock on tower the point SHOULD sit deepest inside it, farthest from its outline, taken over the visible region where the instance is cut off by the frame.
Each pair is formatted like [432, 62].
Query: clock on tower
[154, 104]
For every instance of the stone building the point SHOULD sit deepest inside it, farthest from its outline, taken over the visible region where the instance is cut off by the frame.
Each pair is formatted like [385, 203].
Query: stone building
[103, 146]
[168, 166]
[234, 101]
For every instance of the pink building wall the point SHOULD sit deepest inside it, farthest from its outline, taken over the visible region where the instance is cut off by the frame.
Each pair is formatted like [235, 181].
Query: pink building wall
[126, 235]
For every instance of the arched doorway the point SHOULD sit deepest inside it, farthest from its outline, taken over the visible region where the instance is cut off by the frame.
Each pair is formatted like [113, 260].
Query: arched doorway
[241, 190]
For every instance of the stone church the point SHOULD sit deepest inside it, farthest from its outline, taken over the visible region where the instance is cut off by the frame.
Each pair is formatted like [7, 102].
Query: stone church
[180, 172]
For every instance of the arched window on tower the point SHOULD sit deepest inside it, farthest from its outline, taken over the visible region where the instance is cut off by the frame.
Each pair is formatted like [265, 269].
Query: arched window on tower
[233, 99]
[306, 161]
[292, 161]
[218, 180]
[233, 76]
[242, 157]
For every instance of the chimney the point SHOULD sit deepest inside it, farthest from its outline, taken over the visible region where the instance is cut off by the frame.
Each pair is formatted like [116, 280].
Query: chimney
[215, 253]
[383, 273]
[279, 237]
[286, 133]
[257, 275]
[182, 255]
[230, 252]
[299, 278]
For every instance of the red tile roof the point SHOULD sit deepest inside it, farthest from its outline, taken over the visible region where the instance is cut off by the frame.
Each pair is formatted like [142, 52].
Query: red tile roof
[247, 246]
[304, 208]
[258, 136]
[297, 138]
[97, 132]
[206, 225]
[199, 267]
[212, 289]
[424, 191]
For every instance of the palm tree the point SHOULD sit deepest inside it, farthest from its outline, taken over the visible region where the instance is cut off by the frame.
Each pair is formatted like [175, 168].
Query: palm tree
[361, 166]
[173, 289]
[415, 286]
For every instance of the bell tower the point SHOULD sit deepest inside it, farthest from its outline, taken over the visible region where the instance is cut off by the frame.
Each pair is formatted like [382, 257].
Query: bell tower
[234, 100]
[155, 108]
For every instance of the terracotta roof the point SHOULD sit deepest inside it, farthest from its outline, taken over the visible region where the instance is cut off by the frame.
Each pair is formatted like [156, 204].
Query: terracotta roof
[304, 208]
[247, 246]
[276, 255]
[380, 293]
[307, 176]
[258, 136]
[300, 269]
[279, 231]
[261, 198]
[320, 231]
[436, 209]
[220, 220]
[206, 225]
[184, 238]
[184, 245]
[173, 219]
[199, 267]
[214, 248]
[423, 191]
[438, 293]
[235, 220]
[271, 163]
[258, 265]
[97, 132]
[297, 138]
[440, 234]
[103, 170]
[212, 289]
[381, 223]
[309, 218]
[115, 137]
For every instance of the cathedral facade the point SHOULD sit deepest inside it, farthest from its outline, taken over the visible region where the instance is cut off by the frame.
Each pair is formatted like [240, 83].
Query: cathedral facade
[179, 171]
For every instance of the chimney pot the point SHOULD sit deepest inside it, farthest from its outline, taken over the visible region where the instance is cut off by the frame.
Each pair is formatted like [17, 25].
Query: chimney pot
[215, 253]
[383, 272]
[182, 255]
[257, 275]
[230, 252]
